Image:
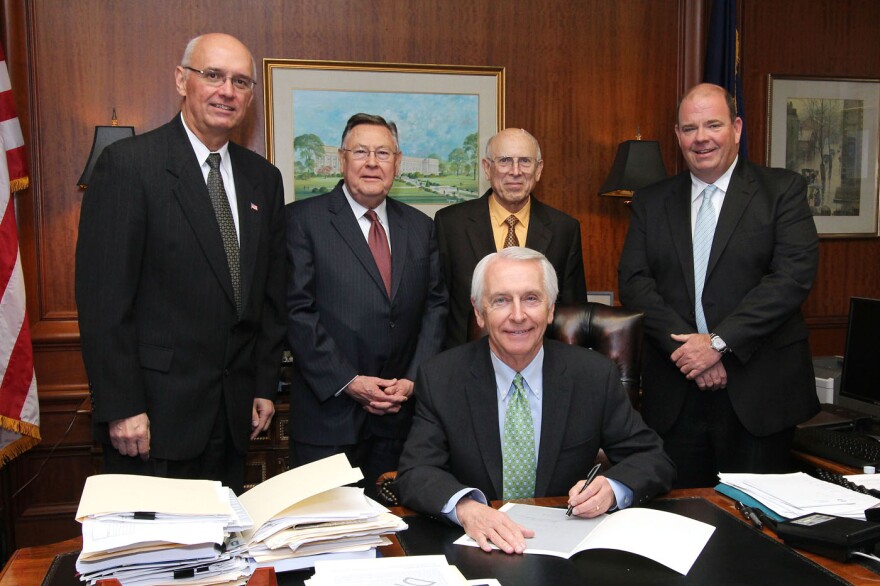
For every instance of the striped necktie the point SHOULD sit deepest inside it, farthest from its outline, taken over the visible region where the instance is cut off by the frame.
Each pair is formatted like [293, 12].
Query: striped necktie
[704, 233]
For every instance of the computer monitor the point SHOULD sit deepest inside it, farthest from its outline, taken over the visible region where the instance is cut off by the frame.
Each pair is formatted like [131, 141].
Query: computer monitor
[860, 379]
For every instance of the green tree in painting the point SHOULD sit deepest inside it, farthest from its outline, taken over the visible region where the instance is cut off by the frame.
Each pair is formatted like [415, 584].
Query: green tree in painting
[471, 147]
[457, 159]
[310, 148]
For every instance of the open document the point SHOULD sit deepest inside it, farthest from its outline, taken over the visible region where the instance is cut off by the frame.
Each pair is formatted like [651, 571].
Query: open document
[672, 540]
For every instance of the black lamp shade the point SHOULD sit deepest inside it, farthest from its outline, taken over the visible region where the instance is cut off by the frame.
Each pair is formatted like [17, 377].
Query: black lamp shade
[638, 164]
[104, 136]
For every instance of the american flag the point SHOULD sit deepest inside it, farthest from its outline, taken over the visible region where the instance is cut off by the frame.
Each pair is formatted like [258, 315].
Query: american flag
[19, 406]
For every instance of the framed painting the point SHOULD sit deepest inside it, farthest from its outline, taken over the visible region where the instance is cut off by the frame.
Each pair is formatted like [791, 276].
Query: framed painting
[444, 114]
[828, 130]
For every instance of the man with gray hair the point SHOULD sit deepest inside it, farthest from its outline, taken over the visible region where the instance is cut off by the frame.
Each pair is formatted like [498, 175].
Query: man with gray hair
[508, 214]
[515, 415]
[366, 306]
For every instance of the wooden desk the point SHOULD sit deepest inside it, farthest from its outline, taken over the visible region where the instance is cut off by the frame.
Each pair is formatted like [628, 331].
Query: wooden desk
[28, 566]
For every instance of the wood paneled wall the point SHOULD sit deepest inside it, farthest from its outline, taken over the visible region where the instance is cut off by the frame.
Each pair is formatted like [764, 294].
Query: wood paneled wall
[581, 76]
[818, 38]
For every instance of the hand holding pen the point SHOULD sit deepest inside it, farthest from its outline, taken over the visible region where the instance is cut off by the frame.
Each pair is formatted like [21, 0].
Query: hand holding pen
[590, 477]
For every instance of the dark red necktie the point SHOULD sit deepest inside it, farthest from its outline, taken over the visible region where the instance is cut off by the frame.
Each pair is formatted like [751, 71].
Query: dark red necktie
[378, 242]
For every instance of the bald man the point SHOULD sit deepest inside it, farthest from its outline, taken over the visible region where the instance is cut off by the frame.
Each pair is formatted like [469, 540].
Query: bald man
[508, 214]
[180, 276]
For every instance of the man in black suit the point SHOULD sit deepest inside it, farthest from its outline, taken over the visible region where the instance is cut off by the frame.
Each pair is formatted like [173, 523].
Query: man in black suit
[508, 214]
[362, 317]
[181, 296]
[467, 444]
[727, 374]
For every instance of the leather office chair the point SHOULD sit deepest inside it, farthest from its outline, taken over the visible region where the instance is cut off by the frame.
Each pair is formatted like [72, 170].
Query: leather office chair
[615, 332]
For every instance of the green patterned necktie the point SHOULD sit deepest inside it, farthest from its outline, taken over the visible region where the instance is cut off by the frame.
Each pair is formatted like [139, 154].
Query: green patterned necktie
[227, 225]
[519, 445]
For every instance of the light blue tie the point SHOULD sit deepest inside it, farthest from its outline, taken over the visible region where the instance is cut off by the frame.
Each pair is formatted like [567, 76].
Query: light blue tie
[519, 445]
[704, 232]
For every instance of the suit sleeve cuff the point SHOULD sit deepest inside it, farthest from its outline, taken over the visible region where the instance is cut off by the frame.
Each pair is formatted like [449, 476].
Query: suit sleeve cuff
[448, 509]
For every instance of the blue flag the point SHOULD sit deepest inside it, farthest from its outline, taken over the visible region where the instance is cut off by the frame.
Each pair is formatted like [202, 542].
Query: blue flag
[723, 58]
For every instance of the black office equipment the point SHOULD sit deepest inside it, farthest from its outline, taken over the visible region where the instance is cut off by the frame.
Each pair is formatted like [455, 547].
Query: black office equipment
[860, 379]
[840, 480]
[844, 445]
[833, 537]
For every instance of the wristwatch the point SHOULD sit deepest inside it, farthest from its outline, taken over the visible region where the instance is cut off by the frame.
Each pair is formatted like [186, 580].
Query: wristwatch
[718, 344]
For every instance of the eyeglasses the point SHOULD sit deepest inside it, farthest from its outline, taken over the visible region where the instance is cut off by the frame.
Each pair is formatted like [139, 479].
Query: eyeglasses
[215, 78]
[383, 154]
[506, 163]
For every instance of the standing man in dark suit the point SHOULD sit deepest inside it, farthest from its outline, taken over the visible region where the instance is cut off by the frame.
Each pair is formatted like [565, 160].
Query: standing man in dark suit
[720, 259]
[507, 215]
[180, 275]
[516, 416]
[366, 305]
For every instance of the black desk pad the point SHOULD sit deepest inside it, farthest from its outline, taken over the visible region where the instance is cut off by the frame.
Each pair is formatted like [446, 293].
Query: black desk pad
[735, 554]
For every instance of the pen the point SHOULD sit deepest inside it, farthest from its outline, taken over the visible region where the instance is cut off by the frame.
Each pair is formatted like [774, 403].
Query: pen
[749, 514]
[587, 482]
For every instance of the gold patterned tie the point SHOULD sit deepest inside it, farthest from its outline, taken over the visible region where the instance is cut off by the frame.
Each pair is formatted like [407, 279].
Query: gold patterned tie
[223, 213]
[511, 239]
[519, 445]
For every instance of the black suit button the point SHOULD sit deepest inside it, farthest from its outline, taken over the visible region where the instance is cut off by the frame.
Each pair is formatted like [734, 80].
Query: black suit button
[225, 372]
[391, 324]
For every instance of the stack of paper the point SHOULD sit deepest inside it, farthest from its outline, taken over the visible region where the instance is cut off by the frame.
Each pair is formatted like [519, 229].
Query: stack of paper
[305, 515]
[144, 530]
[797, 494]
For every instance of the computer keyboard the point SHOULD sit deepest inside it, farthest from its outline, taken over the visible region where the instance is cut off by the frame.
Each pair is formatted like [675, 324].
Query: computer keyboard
[844, 447]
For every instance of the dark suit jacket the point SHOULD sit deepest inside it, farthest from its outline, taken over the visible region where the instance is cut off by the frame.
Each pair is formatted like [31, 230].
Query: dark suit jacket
[341, 321]
[761, 267]
[464, 232]
[454, 442]
[158, 324]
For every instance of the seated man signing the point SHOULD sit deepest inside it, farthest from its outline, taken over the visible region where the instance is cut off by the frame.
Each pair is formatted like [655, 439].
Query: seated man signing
[517, 416]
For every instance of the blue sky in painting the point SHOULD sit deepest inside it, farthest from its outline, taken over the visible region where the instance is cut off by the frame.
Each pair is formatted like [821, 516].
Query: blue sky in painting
[426, 123]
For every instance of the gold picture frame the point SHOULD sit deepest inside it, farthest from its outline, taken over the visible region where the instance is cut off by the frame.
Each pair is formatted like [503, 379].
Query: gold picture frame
[828, 130]
[436, 108]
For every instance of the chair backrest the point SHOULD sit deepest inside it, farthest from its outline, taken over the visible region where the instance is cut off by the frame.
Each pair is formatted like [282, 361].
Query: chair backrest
[615, 332]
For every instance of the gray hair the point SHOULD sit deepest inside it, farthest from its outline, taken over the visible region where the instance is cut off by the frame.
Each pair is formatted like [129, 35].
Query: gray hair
[525, 132]
[186, 60]
[516, 253]
[373, 119]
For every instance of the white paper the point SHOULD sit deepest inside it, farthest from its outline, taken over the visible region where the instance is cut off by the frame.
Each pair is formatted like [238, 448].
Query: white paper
[672, 540]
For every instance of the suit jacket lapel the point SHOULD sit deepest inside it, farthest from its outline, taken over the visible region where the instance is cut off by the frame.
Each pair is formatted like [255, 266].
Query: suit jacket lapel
[558, 388]
[399, 238]
[740, 192]
[482, 241]
[191, 192]
[347, 226]
[539, 234]
[678, 213]
[250, 205]
[480, 390]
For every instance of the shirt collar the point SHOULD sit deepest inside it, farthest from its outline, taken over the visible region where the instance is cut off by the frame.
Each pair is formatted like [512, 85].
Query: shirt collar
[532, 374]
[200, 149]
[359, 210]
[722, 183]
[498, 214]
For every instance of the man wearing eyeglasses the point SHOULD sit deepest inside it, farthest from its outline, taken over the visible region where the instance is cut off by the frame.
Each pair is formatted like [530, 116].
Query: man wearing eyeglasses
[508, 214]
[180, 274]
[366, 304]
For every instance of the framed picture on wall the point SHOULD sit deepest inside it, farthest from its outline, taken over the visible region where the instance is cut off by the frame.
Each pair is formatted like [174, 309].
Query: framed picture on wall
[828, 130]
[444, 114]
